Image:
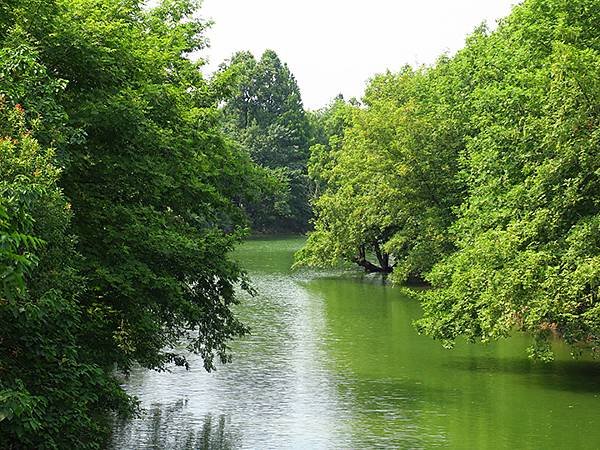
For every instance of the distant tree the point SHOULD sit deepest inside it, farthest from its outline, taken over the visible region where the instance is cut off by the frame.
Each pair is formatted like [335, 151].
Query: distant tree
[327, 127]
[265, 116]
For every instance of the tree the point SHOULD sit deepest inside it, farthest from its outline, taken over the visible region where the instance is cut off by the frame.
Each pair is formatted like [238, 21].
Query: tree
[528, 250]
[326, 127]
[50, 392]
[480, 174]
[388, 181]
[102, 107]
[265, 116]
[152, 184]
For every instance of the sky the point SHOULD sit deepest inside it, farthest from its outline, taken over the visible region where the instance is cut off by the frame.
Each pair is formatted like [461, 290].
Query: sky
[336, 46]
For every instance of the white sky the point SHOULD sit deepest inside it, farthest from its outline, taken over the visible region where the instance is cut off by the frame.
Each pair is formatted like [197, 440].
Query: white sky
[335, 46]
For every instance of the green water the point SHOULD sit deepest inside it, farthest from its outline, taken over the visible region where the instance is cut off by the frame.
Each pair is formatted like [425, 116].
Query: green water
[334, 362]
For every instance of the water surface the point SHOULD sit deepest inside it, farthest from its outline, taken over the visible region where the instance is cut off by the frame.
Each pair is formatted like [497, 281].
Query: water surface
[333, 361]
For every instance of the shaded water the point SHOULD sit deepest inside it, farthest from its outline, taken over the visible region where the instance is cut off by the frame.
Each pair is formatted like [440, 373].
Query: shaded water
[334, 362]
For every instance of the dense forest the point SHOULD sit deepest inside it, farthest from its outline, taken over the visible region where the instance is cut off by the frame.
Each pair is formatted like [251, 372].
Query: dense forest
[120, 201]
[127, 178]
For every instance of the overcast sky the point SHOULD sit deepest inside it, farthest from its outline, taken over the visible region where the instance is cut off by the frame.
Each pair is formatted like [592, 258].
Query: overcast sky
[335, 46]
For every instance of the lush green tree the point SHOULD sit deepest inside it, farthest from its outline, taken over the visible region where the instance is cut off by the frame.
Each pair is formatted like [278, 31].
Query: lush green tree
[326, 127]
[528, 252]
[389, 184]
[267, 112]
[481, 174]
[51, 394]
[266, 117]
[152, 184]
[137, 260]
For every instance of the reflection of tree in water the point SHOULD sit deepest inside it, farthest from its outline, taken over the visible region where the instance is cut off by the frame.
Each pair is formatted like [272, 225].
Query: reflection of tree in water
[171, 427]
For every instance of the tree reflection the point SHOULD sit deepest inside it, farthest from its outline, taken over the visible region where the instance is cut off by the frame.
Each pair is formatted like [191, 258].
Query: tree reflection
[172, 427]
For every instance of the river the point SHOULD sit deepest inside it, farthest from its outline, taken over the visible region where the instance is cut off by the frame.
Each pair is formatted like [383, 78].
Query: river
[333, 361]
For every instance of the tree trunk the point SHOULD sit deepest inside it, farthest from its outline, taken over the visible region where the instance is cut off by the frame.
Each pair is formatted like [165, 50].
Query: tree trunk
[383, 258]
[368, 266]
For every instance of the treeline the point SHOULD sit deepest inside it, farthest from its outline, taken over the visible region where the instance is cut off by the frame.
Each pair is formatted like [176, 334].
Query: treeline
[479, 175]
[121, 197]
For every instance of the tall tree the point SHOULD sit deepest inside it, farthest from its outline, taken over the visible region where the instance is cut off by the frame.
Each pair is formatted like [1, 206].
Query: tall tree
[153, 165]
[266, 117]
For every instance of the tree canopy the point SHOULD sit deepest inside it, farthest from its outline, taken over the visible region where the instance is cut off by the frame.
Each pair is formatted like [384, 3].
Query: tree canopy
[119, 208]
[480, 175]
[127, 178]
[528, 255]
[265, 116]
[389, 179]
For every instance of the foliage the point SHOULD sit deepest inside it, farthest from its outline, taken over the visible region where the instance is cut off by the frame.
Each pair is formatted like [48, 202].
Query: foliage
[388, 180]
[326, 127]
[151, 185]
[266, 117]
[481, 175]
[136, 261]
[528, 250]
[50, 394]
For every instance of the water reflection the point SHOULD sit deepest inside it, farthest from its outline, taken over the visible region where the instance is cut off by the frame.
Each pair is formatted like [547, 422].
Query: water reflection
[484, 397]
[173, 427]
[278, 393]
